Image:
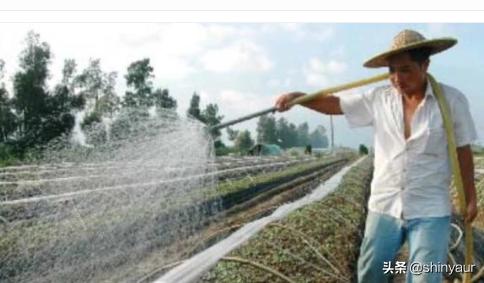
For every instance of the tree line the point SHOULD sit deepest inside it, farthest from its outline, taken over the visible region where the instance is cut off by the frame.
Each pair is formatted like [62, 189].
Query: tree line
[280, 132]
[35, 113]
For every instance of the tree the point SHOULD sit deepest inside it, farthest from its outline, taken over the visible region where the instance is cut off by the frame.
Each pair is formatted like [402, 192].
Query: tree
[292, 139]
[141, 94]
[42, 115]
[286, 133]
[98, 89]
[68, 73]
[194, 109]
[266, 129]
[244, 141]
[163, 100]
[363, 149]
[29, 85]
[59, 119]
[138, 79]
[109, 103]
[211, 117]
[7, 117]
[232, 134]
[61, 103]
[90, 82]
[318, 137]
[303, 135]
[66, 90]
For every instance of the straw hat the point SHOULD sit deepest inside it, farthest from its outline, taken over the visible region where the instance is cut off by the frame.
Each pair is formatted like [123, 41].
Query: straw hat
[410, 39]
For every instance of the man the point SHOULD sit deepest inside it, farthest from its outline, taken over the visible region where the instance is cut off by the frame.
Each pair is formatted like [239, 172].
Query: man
[410, 198]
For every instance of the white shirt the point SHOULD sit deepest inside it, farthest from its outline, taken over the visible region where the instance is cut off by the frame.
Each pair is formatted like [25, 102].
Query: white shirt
[411, 178]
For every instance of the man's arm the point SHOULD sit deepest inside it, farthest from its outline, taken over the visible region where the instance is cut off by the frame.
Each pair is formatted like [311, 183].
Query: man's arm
[325, 104]
[358, 108]
[466, 163]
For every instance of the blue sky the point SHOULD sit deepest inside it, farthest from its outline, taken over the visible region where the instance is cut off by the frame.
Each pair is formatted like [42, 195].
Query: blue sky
[243, 67]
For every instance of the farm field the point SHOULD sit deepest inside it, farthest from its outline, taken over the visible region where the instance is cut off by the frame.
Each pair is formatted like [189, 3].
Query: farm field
[49, 223]
[320, 243]
[52, 214]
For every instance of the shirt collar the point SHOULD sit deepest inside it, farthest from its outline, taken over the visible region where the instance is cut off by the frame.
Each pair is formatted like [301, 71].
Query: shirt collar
[428, 91]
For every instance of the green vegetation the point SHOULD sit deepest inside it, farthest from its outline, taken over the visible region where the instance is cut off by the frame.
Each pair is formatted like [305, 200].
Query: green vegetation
[7, 158]
[363, 149]
[286, 134]
[317, 243]
[478, 150]
[264, 178]
[209, 116]
[243, 142]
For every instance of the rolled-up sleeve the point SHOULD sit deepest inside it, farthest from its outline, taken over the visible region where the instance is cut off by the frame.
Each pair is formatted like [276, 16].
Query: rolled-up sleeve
[358, 108]
[464, 128]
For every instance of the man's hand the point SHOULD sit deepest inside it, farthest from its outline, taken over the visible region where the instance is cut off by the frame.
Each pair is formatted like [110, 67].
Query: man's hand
[471, 211]
[282, 102]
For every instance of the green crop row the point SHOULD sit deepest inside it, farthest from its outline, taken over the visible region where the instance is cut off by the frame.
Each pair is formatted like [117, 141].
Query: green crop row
[250, 181]
[317, 243]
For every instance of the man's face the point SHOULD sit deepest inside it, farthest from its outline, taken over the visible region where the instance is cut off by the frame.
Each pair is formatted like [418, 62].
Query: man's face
[407, 76]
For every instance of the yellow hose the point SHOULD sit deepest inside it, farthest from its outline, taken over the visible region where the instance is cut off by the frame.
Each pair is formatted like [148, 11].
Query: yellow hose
[452, 148]
[339, 88]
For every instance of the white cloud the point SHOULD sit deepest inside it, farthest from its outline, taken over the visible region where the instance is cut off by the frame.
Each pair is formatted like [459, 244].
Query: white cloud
[338, 52]
[316, 79]
[434, 30]
[243, 55]
[318, 73]
[172, 48]
[235, 103]
[280, 83]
